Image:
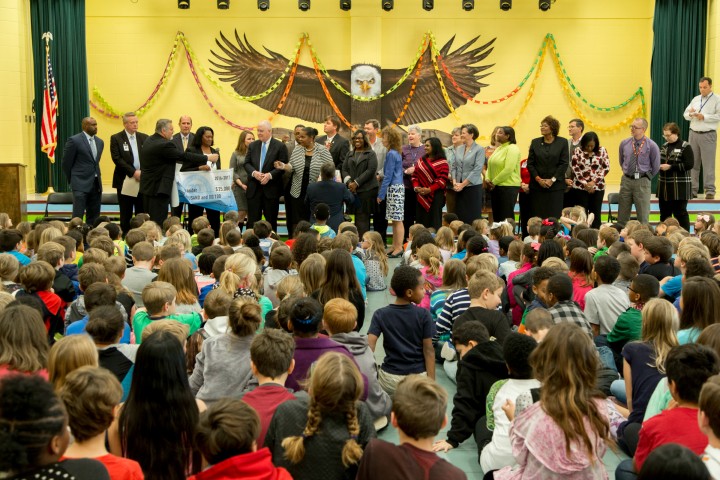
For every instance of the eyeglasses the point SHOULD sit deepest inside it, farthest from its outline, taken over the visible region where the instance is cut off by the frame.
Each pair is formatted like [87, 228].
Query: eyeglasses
[633, 127]
[631, 289]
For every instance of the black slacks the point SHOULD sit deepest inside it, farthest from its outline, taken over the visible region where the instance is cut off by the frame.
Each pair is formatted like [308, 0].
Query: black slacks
[129, 206]
[503, 201]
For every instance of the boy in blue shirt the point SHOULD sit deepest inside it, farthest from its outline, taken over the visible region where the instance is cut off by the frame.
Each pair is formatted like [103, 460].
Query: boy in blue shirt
[407, 329]
[322, 213]
[10, 241]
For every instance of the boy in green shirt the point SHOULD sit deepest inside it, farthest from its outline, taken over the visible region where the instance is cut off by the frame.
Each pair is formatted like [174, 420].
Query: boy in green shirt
[606, 237]
[159, 299]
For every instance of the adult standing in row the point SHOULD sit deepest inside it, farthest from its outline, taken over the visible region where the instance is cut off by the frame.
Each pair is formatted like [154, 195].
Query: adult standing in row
[337, 145]
[503, 174]
[467, 175]
[392, 190]
[704, 115]
[640, 162]
[182, 140]
[450, 154]
[547, 163]
[359, 174]
[157, 163]
[372, 128]
[576, 127]
[202, 143]
[81, 165]
[411, 153]
[240, 176]
[674, 187]
[304, 167]
[265, 182]
[429, 180]
[590, 165]
[125, 149]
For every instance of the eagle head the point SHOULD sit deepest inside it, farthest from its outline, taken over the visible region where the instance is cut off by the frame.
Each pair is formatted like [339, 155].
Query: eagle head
[365, 80]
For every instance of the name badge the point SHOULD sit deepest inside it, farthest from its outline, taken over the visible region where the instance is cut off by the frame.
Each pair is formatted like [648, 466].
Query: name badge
[636, 176]
[677, 150]
[126, 147]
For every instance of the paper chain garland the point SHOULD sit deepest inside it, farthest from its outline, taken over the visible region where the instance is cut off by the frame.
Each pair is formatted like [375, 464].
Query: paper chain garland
[103, 106]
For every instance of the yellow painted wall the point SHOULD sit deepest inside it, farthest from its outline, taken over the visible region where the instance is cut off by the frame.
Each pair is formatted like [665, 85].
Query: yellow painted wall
[713, 39]
[16, 124]
[606, 51]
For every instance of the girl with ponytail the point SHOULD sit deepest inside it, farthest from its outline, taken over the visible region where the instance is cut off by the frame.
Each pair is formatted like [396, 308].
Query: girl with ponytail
[323, 437]
[430, 258]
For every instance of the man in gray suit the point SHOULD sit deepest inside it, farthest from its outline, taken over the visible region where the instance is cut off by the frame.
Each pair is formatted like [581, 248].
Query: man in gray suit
[81, 165]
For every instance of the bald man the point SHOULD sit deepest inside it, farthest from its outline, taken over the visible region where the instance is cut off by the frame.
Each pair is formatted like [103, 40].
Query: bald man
[81, 165]
[264, 186]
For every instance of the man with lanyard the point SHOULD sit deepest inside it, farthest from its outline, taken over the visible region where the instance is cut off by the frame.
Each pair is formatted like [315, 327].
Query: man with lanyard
[704, 114]
[640, 162]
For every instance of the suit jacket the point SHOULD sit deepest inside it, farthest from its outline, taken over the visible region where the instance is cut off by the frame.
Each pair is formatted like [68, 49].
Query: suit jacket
[122, 158]
[78, 163]
[361, 170]
[157, 162]
[276, 151]
[333, 194]
[177, 140]
[547, 161]
[338, 149]
[192, 165]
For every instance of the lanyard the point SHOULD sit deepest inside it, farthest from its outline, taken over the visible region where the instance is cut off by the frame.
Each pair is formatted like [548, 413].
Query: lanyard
[636, 152]
[703, 104]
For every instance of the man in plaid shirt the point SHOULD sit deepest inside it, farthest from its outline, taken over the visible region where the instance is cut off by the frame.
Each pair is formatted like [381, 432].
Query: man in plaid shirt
[561, 305]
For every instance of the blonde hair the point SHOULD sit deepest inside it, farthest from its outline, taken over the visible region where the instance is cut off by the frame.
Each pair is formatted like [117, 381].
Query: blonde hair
[444, 239]
[178, 272]
[9, 267]
[340, 316]
[377, 247]
[579, 213]
[290, 285]
[454, 272]
[48, 235]
[156, 294]
[312, 272]
[503, 229]
[430, 256]
[660, 324]
[69, 353]
[515, 250]
[239, 273]
[557, 264]
[488, 262]
[152, 231]
[480, 225]
[23, 339]
[175, 328]
[482, 281]
[335, 387]
[688, 251]
[5, 221]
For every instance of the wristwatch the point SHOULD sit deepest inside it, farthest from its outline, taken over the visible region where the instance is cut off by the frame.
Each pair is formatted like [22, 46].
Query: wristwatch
[553, 179]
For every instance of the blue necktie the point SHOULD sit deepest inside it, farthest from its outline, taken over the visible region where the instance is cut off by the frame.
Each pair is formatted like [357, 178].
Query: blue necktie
[263, 152]
[134, 147]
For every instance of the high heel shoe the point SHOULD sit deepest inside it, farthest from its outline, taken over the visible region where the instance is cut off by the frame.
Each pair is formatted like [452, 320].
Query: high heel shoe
[396, 255]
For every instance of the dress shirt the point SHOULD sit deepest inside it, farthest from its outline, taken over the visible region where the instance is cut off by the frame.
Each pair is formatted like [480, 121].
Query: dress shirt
[133, 145]
[648, 161]
[185, 141]
[93, 147]
[710, 108]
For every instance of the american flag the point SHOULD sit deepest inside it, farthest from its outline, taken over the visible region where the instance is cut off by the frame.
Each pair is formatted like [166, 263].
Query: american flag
[49, 120]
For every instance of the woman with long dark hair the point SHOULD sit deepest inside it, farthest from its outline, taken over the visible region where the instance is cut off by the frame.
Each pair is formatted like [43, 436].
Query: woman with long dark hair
[429, 179]
[304, 165]
[240, 178]
[589, 165]
[156, 425]
[202, 143]
[503, 174]
[341, 282]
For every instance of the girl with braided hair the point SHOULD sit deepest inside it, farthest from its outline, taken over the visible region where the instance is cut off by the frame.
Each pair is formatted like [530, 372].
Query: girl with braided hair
[323, 437]
[34, 433]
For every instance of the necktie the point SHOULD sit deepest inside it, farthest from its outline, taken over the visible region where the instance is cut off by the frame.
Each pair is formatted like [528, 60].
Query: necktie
[637, 156]
[263, 152]
[93, 148]
[184, 140]
[134, 147]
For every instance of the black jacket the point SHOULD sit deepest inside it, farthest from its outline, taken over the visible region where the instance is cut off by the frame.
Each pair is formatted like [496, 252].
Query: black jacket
[477, 371]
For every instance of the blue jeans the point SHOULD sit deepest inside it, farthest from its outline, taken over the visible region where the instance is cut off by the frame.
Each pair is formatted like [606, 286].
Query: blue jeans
[625, 470]
[618, 390]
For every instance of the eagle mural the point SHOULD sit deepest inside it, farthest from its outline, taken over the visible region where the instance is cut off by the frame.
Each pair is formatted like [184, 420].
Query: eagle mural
[250, 72]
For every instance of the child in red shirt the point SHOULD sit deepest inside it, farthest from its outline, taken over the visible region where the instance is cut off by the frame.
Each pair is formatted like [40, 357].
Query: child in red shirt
[37, 281]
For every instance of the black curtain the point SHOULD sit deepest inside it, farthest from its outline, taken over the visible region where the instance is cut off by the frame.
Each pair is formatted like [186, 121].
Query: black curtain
[65, 19]
[678, 62]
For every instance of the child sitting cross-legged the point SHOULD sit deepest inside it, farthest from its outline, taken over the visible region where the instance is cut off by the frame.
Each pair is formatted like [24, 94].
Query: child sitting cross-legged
[688, 367]
[271, 360]
[481, 365]
[322, 214]
[95, 296]
[227, 437]
[222, 368]
[324, 436]
[37, 280]
[559, 299]
[339, 319]
[215, 313]
[91, 396]
[159, 299]
[605, 303]
[418, 414]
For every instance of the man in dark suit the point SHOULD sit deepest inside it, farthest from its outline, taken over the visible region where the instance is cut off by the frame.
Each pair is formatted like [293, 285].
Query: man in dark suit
[293, 142]
[338, 145]
[81, 165]
[157, 163]
[182, 140]
[265, 184]
[125, 149]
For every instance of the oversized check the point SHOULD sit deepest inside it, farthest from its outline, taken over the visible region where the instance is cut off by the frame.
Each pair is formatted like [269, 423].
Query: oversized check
[207, 189]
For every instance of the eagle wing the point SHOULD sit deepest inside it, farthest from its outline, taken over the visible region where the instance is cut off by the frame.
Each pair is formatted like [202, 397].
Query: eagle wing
[250, 72]
[427, 102]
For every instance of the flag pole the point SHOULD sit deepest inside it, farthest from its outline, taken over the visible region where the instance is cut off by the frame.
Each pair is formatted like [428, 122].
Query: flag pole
[47, 36]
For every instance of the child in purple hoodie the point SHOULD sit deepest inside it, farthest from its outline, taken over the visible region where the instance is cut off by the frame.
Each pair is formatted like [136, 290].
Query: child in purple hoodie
[305, 320]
